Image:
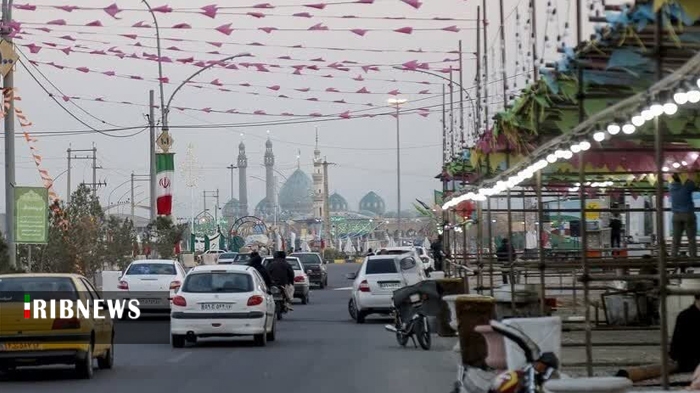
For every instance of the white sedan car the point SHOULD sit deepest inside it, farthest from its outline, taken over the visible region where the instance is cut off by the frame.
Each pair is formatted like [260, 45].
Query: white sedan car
[415, 253]
[374, 284]
[222, 301]
[152, 282]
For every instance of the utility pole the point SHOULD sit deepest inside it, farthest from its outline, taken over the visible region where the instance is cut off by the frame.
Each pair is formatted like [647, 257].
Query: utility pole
[231, 168]
[215, 195]
[68, 191]
[135, 178]
[92, 157]
[94, 170]
[152, 153]
[8, 87]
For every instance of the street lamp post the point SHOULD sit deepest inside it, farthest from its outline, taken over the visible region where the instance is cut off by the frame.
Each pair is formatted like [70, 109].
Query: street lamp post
[397, 102]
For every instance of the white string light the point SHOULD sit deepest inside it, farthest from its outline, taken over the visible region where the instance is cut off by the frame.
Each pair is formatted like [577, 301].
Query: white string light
[670, 108]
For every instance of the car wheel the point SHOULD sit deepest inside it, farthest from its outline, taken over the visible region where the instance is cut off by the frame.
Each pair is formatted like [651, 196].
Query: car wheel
[360, 317]
[273, 331]
[83, 367]
[351, 309]
[260, 340]
[177, 340]
[106, 361]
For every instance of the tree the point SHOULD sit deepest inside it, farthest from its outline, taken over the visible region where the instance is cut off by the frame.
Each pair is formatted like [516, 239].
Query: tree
[5, 257]
[118, 242]
[164, 235]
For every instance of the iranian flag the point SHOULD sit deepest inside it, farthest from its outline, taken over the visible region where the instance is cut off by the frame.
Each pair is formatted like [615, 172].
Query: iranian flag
[165, 172]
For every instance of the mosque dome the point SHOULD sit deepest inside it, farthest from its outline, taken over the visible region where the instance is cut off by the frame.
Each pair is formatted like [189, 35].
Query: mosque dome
[337, 203]
[231, 210]
[372, 203]
[263, 208]
[296, 194]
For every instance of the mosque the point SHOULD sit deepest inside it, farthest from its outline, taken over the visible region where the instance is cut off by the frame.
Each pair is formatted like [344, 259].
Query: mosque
[302, 199]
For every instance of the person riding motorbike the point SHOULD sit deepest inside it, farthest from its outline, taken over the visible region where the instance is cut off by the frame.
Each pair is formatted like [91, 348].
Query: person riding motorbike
[282, 275]
[256, 263]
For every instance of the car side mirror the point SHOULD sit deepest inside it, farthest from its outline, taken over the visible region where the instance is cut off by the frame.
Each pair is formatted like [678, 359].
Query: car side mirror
[351, 276]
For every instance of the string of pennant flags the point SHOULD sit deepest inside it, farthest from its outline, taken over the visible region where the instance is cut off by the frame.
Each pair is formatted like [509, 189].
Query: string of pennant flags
[36, 43]
[218, 85]
[227, 29]
[214, 10]
[10, 96]
[219, 44]
[424, 112]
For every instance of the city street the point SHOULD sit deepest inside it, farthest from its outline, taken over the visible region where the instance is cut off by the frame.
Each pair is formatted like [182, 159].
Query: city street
[318, 349]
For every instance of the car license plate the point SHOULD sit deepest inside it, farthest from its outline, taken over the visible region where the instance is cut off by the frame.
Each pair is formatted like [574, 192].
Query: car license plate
[390, 285]
[20, 347]
[216, 307]
[150, 302]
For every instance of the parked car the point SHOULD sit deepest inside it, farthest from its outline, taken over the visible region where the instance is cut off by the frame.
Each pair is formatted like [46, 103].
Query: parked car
[222, 301]
[424, 255]
[314, 266]
[378, 278]
[215, 253]
[301, 280]
[152, 282]
[226, 258]
[39, 342]
[404, 250]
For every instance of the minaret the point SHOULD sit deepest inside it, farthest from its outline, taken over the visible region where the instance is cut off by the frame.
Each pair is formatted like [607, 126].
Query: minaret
[269, 177]
[242, 180]
[318, 182]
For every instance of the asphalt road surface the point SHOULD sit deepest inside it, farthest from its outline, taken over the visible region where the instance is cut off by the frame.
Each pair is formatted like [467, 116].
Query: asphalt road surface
[318, 349]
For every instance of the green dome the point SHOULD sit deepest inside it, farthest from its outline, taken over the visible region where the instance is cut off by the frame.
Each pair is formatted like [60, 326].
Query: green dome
[337, 203]
[231, 210]
[296, 193]
[372, 203]
[263, 209]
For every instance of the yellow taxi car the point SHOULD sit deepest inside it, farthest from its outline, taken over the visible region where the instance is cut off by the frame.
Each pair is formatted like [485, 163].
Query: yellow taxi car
[26, 341]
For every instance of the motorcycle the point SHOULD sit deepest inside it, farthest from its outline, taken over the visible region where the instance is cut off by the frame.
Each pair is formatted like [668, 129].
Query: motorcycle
[411, 307]
[280, 301]
[540, 368]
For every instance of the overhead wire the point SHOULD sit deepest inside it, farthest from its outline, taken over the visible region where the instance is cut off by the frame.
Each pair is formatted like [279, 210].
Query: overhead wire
[59, 90]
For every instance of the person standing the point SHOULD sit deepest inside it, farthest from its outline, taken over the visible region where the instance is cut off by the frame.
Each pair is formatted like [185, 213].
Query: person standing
[436, 247]
[683, 215]
[615, 230]
[685, 344]
[505, 254]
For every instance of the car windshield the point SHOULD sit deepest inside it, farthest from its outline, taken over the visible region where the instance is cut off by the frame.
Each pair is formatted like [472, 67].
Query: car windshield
[308, 259]
[161, 269]
[218, 282]
[381, 266]
[292, 261]
[227, 255]
[16, 289]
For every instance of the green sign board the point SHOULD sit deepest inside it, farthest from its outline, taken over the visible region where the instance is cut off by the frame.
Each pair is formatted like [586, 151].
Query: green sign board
[31, 215]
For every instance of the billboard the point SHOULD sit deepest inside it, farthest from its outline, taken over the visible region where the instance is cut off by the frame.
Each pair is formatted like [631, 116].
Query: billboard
[31, 215]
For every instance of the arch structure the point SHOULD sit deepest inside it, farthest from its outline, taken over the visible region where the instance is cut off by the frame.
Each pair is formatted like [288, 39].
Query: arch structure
[248, 226]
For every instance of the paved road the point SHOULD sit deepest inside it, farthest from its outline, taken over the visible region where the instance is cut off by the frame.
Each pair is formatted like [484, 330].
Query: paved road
[318, 349]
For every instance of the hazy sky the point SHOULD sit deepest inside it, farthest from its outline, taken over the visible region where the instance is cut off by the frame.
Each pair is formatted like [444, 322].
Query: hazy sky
[363, 149]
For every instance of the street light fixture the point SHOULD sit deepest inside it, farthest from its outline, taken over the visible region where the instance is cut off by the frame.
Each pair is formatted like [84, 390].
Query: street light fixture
[396, 103]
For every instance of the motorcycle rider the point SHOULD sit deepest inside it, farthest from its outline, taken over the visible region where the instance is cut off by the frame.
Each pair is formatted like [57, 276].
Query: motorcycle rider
[282, 274]
[256, 263]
